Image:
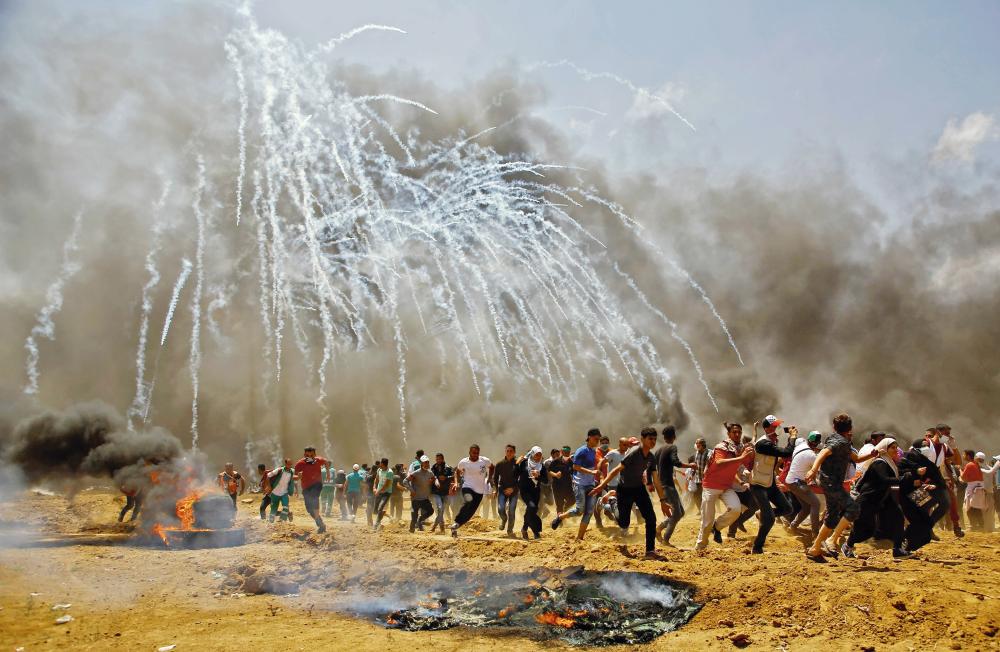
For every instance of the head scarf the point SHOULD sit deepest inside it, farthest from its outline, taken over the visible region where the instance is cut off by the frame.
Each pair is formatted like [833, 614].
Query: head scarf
[532, 464]
[883, 447]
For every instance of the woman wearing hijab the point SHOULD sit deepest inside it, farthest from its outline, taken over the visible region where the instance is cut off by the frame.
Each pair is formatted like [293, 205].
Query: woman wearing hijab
[917, 471]
[876, 503]
[530, 474]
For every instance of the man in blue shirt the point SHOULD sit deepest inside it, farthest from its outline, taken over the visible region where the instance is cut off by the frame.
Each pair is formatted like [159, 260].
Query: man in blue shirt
[585, 473]
[354, 481]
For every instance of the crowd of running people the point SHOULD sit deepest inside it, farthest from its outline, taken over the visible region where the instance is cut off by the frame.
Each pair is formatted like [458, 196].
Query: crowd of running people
[885, 489]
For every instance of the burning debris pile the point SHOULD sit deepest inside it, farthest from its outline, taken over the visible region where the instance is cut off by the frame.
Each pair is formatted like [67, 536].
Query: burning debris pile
[578, 607]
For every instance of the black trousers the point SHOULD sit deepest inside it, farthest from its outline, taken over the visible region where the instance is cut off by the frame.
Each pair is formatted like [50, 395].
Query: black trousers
[420, 511]
[131, 502]
[265, 503]
[531, 520]
[765, 497]
[884, 515]
[470, 503]
[310, 495]
[563, 499]
[918, 524]
[638, 496]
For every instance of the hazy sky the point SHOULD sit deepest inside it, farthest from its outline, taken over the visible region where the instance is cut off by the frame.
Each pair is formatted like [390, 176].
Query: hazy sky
[761, 81]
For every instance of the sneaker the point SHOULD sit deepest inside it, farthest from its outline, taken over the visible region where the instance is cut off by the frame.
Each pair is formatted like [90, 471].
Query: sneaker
[556, 522]
[829, 549]
[756, 551]
[503, 524]
[524, 534]
[538, 535]
[412, 528]
[901, 553]
[958, 532]
[454, 531]
[741, 527]
[934, 536]
[848, 551]
[321, 529]
[716, 535]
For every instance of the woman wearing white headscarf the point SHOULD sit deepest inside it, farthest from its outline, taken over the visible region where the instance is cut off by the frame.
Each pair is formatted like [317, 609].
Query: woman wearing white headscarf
[530, 474]
[876, 502]
[990, 485]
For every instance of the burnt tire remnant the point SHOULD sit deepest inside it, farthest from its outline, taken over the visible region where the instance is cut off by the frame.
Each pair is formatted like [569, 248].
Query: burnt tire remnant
[573, 605]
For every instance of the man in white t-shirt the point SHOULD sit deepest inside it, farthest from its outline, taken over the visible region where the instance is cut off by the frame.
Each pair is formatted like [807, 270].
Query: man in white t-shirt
[282, 486]
[471, 476]
[802, 460]
[869, 446]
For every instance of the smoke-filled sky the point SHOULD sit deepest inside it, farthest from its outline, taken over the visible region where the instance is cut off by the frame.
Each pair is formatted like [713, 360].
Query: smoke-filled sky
[837, 199]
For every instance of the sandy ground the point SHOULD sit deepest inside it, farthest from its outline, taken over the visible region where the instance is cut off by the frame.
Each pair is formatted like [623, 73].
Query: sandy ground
[128, 597]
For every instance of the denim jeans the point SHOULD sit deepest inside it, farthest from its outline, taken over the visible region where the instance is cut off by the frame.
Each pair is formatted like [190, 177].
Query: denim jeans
[584, 503]
[439, 502]
[507, 509]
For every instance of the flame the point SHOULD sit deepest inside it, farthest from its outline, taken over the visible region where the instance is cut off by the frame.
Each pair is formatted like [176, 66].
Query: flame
[529, 599]
[184, 508]
[552, 618]
[506, 611]
[391, 621]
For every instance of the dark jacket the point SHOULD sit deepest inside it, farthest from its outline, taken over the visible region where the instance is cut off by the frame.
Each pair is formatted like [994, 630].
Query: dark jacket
[877, 481]
[505, 476]
[528, 488]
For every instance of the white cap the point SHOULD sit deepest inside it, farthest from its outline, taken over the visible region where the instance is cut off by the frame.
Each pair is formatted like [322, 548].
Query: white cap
[424, 458]
[357, 467]
[980, 455]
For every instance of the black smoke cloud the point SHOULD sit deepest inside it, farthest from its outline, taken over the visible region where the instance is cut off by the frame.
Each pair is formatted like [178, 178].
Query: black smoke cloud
[833, 307]
[88, 439]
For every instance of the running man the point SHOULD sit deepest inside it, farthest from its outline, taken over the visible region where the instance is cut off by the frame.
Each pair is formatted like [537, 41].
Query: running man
[353, 483]
[831, 465]
[662, 478]
[585, 474]
[281, 481]
[632, 488]
[384, 481]
[439, 494]
[420, 482]
[308, 473]
[265, 489]
[471, 478]
[767, 458]
[505, 481]
[717, 484]
[232, 482]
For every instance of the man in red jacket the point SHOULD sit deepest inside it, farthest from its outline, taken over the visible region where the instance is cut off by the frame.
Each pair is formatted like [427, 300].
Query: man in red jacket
[717, 483]
[308, 471]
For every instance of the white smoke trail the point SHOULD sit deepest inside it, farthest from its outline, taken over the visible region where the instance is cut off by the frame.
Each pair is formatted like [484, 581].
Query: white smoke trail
[182, 278]
[588, 75]
[241, 87]
[44, 326]
[334, 42]
[194, 362]
[153, 278]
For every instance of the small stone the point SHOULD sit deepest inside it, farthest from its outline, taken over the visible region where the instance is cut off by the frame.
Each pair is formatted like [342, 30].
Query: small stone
[740, 640]
[900, 605]
[725, 623]
[62, 620]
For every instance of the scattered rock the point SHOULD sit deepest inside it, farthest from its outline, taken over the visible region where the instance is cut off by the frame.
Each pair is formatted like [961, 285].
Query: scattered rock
[740, 640]
[62, 620]
[165, 648]
[61, 607]
[900, 605]
[725, 623]
[990, 630]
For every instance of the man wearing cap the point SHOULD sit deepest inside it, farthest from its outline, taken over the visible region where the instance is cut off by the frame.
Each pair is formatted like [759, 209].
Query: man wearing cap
[802, 460]
[439, 492]
[767, 457]
[420, 482]
[585, 474]
[353, 483]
